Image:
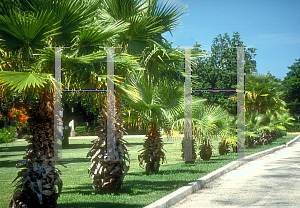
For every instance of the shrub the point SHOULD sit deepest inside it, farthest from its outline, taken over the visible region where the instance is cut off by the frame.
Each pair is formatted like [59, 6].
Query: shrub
[295, 128]
[81, 131]
[7, 135]
[284, 133]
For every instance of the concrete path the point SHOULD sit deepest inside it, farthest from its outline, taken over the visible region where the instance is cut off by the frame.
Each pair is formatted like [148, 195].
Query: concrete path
[270, 181]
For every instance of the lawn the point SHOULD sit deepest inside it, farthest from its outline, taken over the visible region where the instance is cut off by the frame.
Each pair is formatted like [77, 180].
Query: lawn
[138, 190]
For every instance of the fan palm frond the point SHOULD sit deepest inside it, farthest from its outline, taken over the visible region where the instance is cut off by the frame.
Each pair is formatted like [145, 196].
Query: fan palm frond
[26, 31]
[20, 81]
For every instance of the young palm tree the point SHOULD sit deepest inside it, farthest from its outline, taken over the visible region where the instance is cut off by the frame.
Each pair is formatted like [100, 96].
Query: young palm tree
[208, 121]
[155, 100]
[274, 123]
[253, 125]
[108, 175]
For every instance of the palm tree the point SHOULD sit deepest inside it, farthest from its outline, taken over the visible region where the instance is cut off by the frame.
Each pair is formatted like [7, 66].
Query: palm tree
[38, 179]
[208, 121]
[23, 34]
[262, 93]
[253, 126]
[146, 20]
[274, 123]
[155, 101]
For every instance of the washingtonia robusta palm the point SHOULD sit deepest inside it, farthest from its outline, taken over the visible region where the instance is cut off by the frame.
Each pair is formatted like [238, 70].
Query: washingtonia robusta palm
[146, 20]
[23, 34]
[155, 100]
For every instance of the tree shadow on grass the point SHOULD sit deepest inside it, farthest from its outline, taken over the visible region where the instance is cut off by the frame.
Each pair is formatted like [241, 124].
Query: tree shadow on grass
[88, 190]
[98, 205]
[131, 187]
[8, 155]
[153, 186]
[169, 172]
[66, 161]
[14, 148]
[10, 163]
[140, 143]
[78, 146]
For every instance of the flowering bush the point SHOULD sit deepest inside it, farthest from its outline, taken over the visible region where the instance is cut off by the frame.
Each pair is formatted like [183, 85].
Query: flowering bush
[18, 115]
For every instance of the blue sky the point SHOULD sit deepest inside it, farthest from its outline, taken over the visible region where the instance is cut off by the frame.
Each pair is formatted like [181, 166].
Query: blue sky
[270, 26]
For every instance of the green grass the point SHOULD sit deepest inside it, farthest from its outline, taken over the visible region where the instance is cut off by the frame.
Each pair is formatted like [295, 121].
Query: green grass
[138, 190]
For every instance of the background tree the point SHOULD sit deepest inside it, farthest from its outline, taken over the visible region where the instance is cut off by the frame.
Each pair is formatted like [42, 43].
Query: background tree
[291, 89]
[219, 71]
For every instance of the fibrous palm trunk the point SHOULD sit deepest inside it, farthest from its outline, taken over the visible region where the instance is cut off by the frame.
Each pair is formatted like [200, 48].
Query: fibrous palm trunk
[224, 147]
[37, 186]
[152, 152]
[194, 155]
[108, 175]
[205, 150]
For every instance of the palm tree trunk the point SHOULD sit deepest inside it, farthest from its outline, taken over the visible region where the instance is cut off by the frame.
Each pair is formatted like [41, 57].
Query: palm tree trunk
[108, 176]
[39, 176]
[194, 154]
[152, 151]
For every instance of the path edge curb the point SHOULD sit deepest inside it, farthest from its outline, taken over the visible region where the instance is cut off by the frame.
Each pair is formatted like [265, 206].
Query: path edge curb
[196, 185]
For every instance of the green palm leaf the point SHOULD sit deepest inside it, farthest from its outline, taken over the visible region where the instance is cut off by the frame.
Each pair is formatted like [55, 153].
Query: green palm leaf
[71, 15]
[25, 30]
[167, 14]
[20, 81]
[99, 34]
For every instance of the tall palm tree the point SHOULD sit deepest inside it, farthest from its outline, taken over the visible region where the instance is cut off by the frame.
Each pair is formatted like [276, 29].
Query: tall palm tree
[24, 34]
[38, 179]
[146, 20]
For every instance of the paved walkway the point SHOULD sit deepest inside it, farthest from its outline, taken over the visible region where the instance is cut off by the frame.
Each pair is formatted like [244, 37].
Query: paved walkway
[270, 181]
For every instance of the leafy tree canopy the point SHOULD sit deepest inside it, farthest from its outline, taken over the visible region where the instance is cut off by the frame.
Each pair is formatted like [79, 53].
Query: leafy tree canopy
[219, 70]
[291, 89]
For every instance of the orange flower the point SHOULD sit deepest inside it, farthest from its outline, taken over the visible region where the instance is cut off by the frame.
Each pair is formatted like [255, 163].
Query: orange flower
[23, 118]
[11, 114]
[22, 109]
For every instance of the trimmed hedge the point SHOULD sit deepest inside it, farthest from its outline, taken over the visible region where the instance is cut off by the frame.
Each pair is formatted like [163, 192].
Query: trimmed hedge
[85, 131]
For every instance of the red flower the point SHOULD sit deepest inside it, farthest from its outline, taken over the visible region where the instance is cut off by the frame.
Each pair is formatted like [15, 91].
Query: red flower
[23, 118]
[18, 114]
[22, 109]
[11, 114]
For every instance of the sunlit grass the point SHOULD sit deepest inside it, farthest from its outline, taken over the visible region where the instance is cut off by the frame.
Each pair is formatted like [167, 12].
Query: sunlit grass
[138, 189]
